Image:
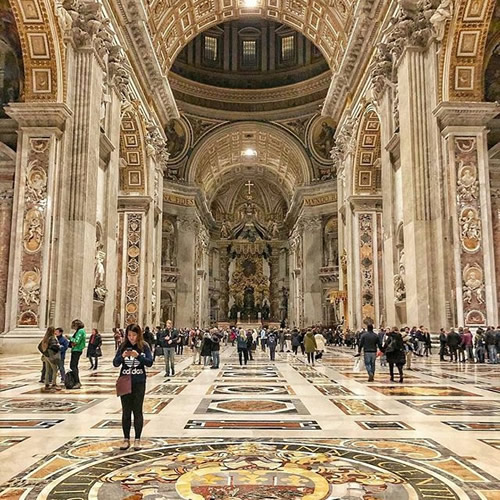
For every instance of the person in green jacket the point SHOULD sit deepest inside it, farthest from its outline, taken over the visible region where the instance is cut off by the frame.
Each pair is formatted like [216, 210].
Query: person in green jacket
[77, 347]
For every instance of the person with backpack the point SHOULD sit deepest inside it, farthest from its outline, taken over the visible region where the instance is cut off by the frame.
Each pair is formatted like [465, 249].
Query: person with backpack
[272, 342]
[215, 349]
[250, 344]
[94, 348]
[77, 344]
[49, 348]
[395, 351]
[133, 356]
[64, 344]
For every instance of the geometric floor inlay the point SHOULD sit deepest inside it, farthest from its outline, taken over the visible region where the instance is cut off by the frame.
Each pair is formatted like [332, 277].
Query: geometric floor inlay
[384, 426]
[474, 426]
[495, 443]
[252, 406]
[35, 405]
[111, 424]
[282, 425]
[421, 390]
[275, 390]
[8, 441]
[28, 423]
[358, 407]
[454, 407]
[264, 469]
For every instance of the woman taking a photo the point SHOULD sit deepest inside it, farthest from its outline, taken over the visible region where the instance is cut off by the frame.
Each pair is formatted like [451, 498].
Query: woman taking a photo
[49, 347]
[133, 356]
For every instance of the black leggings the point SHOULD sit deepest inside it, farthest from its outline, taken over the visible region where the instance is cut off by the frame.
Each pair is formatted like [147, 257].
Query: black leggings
[400, 370]
[73, 364]
[310, 357]
[132, 403]
[93, 361]
[243, 353]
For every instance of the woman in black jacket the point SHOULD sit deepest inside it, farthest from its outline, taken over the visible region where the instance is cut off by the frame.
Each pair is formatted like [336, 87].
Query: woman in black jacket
[133, 356]
[206, 348]
[94, 348]
[50, 349]
[394, 350]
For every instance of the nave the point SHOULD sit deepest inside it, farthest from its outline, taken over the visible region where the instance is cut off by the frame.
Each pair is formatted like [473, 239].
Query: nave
[281, 430]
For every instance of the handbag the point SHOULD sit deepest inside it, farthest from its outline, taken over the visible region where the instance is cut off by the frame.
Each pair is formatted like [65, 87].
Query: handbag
[124, 385]
[158, 351]
[98, 351]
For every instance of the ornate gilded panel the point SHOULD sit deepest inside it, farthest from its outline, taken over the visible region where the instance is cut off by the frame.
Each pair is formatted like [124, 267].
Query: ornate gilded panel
[366, 265]
[41, 49]
[133, 267]
[466, 42]
[367, 173]
[470, 231]
[132, 171]
[34, 222]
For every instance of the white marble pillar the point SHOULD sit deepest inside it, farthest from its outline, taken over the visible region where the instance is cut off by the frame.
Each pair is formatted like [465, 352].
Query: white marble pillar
[33, 233]
[77, 254]
[365, 290]
[469, 203]
[133, 259]
[188, 225]
[312, 263]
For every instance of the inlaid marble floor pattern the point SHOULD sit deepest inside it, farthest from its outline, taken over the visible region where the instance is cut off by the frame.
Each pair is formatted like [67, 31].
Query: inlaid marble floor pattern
[279, 430]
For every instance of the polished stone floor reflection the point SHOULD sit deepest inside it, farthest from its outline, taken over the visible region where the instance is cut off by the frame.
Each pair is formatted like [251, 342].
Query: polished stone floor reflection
[268, 431]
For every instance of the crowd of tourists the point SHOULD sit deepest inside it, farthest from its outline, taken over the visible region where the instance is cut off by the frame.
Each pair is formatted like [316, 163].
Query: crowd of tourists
[136, 349]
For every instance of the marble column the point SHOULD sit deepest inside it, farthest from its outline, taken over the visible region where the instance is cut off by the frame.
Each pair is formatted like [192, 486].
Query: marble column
[296, 300]
[80, 181]
[312, 263]
[33, 230]
[464, 134]
[365, 264]
[187, 228]
[6, 198]
[422, 191]
[133, 260]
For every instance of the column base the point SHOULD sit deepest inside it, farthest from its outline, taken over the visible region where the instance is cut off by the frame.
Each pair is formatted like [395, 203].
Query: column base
[21, 341]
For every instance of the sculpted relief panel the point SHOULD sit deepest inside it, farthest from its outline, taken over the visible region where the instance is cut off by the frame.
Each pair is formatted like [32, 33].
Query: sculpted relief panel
[35, 206]
[133, 267]
[470, 231]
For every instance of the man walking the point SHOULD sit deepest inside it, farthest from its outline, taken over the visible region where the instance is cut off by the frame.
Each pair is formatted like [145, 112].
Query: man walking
[369, 342]
[167, 340]
[271, 343]
[215, 349]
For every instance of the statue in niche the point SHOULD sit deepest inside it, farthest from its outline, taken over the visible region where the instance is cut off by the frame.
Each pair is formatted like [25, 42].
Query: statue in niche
[233, 312]
[224, 230]
[274, 230]
[442, 14]
[266, 310]
[168, 244]
[153, 294]
[100, 290]
[399, 279]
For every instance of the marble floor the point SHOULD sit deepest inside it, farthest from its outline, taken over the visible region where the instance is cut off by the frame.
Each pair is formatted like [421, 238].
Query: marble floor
[272, 430]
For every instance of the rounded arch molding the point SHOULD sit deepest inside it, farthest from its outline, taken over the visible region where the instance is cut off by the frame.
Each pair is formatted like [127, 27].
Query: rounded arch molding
[220, 156]
[324, 23]
[42, 49]
[463, 60]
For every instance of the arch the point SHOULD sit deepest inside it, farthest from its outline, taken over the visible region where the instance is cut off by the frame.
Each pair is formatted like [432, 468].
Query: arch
[43, 54]
[325, 23]
[367, 172]
[220, 156]
[133, 161]
[463, 55]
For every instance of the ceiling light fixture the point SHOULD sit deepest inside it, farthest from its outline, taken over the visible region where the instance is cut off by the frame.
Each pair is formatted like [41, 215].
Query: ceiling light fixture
[249, 152]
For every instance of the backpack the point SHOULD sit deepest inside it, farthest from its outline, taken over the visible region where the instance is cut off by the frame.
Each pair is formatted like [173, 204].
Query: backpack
[69, 380]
